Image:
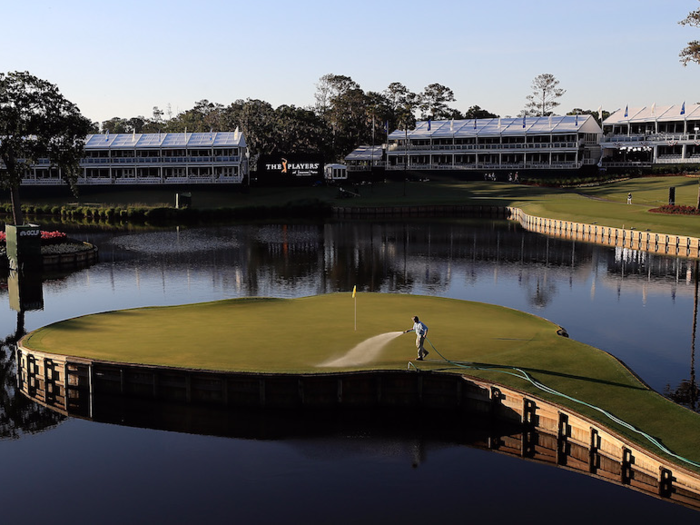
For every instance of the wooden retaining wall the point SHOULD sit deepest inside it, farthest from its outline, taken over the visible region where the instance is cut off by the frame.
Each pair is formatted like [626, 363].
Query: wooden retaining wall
[77, 259]
[664, 244]
[551, 433]
[81, 258]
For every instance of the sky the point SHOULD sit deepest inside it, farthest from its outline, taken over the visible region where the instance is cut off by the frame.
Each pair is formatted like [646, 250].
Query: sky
[122, 58]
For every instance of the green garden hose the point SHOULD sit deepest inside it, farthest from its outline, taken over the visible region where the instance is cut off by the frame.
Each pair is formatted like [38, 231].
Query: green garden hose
[522, 374]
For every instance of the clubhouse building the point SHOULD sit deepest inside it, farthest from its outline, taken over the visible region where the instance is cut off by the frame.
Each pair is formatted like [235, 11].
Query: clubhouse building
[523, 143]
[654, 135]
[154, 158]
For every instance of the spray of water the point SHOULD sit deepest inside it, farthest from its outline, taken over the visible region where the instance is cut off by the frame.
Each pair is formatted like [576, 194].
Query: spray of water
[365, 352]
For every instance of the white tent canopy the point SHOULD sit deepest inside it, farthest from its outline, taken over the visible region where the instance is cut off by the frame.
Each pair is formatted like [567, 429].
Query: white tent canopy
[165, 140]
[654, 113]
[500, 126]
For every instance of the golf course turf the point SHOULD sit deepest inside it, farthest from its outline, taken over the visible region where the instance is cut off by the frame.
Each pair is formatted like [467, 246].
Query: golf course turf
[304, 335]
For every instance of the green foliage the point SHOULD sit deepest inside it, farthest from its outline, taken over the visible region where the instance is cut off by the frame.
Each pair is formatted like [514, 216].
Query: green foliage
[691, 53]
[433, 102]
[543, 99]
[475, 112]
[37, 122]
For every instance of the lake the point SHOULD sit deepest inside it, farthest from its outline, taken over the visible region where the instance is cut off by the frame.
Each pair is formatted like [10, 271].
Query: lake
[144, 466]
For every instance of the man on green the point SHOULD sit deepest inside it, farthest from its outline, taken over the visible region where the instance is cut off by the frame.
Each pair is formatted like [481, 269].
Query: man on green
[421, 332]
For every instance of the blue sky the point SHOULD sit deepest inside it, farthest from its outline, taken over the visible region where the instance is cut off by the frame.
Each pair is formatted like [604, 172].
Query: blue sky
[122, 58]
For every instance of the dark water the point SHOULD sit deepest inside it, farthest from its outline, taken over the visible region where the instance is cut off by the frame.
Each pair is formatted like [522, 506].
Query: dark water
[635, 306]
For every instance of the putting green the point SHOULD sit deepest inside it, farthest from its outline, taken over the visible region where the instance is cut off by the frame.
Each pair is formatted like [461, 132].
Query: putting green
[304, 335]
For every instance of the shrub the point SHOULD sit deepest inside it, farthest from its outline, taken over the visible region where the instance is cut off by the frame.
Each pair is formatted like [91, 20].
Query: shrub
[676, 210]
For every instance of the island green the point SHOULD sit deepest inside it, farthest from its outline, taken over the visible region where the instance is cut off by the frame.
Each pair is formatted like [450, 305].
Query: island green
[303, 335]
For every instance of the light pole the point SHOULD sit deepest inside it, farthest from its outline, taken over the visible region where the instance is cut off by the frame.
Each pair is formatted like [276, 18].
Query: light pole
[247, 164]
[405, 163]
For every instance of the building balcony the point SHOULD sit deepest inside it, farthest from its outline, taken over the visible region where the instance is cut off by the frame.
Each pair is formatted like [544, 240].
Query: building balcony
[514, 166]
[119, 161]
[397, 150]
[661, 139]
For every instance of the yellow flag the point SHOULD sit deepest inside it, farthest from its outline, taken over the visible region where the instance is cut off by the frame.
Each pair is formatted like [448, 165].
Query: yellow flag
[354, 290]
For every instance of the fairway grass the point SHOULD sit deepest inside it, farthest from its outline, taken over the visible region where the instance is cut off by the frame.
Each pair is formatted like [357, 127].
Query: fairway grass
[304, 335]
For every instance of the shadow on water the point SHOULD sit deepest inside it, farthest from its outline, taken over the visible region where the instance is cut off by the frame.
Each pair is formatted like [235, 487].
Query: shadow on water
[687, 392]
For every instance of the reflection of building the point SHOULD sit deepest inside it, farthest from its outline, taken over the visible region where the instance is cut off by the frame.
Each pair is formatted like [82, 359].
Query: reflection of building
[528, 143]
[154, 158]
[652, 135]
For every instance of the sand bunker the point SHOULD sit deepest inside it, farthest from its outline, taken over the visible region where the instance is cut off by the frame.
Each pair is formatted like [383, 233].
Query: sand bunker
[366, 352]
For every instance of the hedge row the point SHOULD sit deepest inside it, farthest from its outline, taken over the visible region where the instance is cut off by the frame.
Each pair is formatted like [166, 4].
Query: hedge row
[160, 215]
[572, 181]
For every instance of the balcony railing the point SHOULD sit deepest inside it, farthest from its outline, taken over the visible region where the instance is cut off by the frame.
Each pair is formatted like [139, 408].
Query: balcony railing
[660, 139]
[398, 149]
[102, 161]
[489, 166]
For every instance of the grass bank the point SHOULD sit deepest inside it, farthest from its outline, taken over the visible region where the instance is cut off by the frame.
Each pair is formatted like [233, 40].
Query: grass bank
[604, 205]
[301, 335]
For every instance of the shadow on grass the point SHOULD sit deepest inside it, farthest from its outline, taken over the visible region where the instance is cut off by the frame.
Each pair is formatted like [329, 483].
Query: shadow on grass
[486, 367]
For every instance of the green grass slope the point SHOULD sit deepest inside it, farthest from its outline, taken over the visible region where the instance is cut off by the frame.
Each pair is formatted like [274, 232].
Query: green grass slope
[300, 335]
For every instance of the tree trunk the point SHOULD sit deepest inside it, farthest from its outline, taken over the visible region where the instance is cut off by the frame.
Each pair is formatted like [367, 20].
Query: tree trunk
[17, 217]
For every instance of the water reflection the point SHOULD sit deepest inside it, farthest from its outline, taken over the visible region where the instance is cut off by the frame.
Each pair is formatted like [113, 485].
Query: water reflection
[410, 436]
[687, 392]
[18, 414]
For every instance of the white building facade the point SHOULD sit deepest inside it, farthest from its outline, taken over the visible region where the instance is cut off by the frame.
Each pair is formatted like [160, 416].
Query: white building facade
[652, 135]
[366, 158]
[155, 158]
[523, 143]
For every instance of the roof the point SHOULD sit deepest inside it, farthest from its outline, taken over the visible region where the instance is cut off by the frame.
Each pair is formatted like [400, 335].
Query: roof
[165, 140]
[654, 113]
[366, 153]
[501, 126]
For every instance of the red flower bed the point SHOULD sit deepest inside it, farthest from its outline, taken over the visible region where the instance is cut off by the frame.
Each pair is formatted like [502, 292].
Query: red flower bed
[52, 237]
[47, 238]
[676, 210]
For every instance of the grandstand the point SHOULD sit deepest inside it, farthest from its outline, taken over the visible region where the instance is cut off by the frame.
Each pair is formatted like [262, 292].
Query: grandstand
[524, 143]
[154, 158]
[652, 135]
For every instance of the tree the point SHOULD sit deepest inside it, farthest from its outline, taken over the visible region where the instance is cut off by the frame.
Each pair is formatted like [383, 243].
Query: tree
[116, 125]
[37, 122]
[578, 111]
[691, 53]
[544, 96]
[378, 113]
[203, 117]
[433, 102]
[398, 97]
[329, 87]
[405, 113]
[299, 130]
[347, 119]
[475, 112]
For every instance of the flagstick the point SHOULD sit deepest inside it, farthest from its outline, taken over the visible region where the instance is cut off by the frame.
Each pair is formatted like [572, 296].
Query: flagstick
[356, 314]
